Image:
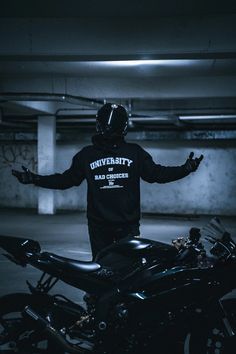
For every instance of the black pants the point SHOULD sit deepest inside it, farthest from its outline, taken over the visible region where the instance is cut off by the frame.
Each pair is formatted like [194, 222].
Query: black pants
[102, 236]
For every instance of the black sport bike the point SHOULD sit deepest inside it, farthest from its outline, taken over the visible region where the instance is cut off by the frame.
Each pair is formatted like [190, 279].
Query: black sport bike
[142, 297]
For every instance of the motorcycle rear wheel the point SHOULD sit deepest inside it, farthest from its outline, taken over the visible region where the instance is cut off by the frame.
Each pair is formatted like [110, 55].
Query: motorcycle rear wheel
[16, 336]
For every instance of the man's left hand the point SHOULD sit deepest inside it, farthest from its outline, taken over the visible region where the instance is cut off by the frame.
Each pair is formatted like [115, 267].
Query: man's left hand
[191, 164]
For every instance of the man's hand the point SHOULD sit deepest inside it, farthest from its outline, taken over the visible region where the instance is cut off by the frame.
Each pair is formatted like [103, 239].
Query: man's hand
[26, 177]
[191, 164]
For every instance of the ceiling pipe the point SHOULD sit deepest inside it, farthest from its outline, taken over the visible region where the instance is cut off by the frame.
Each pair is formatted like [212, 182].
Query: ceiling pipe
[208, 117]
[78, 119]
[58, 97]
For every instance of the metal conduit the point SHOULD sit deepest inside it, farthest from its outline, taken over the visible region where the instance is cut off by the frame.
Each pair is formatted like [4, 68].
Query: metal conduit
[58, 97]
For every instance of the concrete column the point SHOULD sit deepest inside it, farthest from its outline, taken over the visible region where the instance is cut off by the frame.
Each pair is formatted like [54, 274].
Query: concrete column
[46, 161]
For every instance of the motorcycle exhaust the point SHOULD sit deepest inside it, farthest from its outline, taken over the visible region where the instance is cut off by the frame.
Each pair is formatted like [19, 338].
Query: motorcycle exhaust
[52, 332]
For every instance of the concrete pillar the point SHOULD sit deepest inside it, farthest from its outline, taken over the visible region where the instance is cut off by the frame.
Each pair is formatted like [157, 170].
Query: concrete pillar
[46, 161]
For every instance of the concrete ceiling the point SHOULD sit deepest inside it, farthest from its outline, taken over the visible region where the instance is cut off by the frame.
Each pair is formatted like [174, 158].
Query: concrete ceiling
[69, 58]
[121, 8]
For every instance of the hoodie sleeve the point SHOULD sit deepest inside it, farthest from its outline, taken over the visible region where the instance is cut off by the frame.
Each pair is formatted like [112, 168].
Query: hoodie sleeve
[152, 172]
[69, 178]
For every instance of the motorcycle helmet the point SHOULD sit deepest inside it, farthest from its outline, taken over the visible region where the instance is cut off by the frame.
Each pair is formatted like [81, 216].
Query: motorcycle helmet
[112, 120]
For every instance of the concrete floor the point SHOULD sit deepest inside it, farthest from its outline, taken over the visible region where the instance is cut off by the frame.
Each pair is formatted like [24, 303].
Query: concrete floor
[66, 234]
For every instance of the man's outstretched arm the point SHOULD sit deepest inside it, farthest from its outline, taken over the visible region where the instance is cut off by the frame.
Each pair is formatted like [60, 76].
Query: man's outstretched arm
[71, 177]
[152, 172]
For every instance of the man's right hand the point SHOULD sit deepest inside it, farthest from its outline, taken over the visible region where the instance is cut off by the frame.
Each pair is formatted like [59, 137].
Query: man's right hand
[25, 177]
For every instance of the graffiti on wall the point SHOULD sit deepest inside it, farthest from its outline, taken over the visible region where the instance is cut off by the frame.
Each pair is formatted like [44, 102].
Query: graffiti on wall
[13, 155]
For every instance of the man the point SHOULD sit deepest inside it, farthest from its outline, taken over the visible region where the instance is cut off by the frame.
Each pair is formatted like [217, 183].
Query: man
[112, 168]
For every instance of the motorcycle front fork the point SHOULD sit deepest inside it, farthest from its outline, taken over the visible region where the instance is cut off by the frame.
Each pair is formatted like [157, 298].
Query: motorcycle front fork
[229, 330]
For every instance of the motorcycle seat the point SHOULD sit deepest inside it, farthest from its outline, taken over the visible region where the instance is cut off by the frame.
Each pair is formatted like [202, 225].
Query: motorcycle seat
[67, 264]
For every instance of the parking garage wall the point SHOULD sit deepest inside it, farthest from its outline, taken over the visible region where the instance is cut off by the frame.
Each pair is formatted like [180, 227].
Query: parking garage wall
[210, 190]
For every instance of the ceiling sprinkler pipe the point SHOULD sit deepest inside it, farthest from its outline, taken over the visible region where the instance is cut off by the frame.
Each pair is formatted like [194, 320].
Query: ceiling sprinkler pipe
[26, 96]
[208, 117]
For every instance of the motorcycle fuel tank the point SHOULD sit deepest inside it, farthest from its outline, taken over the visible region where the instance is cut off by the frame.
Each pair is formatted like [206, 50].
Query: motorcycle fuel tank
[129, 249]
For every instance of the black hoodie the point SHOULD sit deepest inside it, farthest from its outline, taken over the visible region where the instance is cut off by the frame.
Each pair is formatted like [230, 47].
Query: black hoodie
[113, 169]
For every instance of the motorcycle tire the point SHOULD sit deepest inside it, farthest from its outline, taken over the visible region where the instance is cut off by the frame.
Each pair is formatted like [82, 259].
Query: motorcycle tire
[16, 336]
[211, 337]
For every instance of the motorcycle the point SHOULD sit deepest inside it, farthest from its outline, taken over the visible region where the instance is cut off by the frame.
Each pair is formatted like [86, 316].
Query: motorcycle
[142, 296]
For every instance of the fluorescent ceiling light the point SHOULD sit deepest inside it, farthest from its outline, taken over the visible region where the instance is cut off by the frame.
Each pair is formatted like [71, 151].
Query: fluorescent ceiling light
[150, 119]
[125, 63]
[208, 117]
